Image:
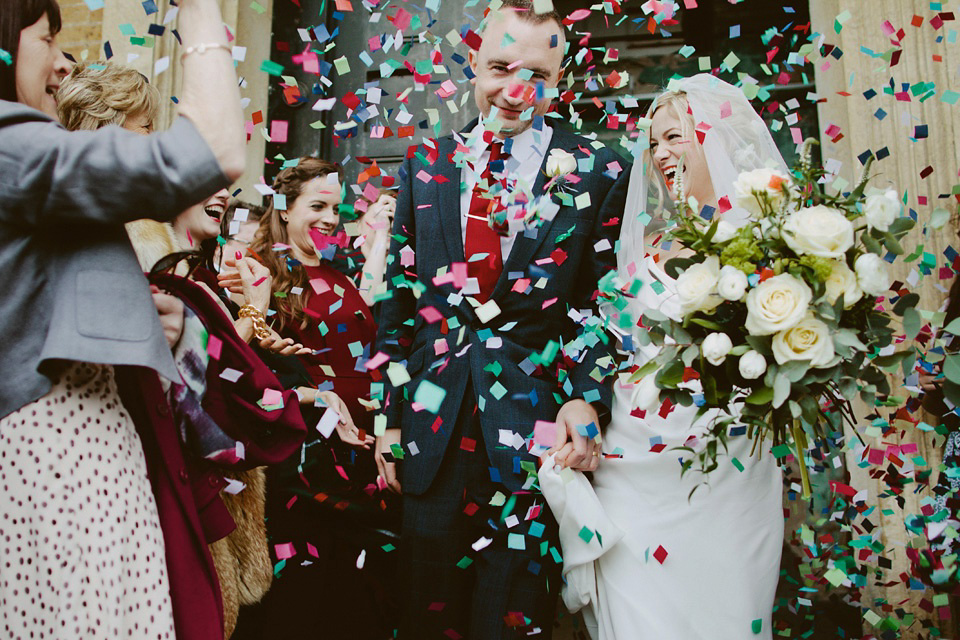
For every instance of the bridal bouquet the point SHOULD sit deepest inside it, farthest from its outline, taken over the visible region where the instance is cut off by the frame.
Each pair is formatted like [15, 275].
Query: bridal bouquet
[781, 319]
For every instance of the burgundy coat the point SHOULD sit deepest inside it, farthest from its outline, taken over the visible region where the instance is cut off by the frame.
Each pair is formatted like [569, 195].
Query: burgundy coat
[187, 487]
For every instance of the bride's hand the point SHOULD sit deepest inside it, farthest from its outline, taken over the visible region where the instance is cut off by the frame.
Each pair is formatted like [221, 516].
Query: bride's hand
[573, 449]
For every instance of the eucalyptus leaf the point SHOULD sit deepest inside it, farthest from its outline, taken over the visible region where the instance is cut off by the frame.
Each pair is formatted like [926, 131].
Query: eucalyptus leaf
[954, 327]
[781, 390]
[903, 224]
[848, 338]
[638, 375]
[939, 218]
[871, 243]
[655, 315]
[911, 322]
[763, 395]
[709, 324]
[906, 301]
[795, 370]
[690, 354]
[892, 244]
[951, 368]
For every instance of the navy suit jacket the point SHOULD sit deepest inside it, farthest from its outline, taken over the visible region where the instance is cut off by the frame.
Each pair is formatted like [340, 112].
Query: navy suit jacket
[499, 358]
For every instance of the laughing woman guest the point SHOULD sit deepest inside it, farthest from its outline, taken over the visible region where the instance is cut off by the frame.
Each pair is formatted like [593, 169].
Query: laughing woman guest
[325, 497]
[81, 549]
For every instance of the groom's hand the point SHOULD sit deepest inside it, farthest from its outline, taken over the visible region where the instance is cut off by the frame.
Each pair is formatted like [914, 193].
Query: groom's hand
[388, 470]
[573, 449]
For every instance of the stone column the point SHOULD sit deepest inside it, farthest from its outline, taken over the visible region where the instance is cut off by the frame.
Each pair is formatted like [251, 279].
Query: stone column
[125, 25]
[874, 52]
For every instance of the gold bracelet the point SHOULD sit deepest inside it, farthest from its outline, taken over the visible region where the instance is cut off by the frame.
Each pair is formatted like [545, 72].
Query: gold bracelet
[203, 47]
[260, 328]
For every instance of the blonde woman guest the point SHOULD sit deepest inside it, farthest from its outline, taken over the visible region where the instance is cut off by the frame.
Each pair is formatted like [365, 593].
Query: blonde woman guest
[75, 495]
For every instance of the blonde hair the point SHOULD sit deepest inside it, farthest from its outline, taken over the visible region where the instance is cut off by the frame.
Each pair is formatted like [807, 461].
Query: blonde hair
[273, 230]
[98, 94]
[676, 102]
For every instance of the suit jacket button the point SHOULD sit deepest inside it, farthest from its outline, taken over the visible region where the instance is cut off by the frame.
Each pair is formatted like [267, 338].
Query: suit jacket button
[183, 476]
[163, 409]
[213, 480]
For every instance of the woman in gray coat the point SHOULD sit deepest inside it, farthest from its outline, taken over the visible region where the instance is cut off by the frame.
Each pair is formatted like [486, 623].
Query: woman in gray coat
[81, 550]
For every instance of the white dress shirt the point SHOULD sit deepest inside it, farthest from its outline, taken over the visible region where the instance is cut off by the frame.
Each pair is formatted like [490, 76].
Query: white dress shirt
[522, 167]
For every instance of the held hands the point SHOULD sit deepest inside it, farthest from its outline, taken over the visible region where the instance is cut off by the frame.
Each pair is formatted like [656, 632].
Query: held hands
[388, 470]
[574, 450]
[170, 309]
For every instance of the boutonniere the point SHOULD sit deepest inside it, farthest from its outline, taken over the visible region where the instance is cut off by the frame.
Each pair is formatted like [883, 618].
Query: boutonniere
[560, 163]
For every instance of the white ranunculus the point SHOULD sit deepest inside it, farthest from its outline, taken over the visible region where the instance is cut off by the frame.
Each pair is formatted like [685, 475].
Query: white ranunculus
[697, 286]
[725, 231]
[560, 163]
[752, 365]
[881, 209]
[818, 231]
[808, 340]
[776, 304]
[872, 274]
[715, 347]
[842, 280]
[759, 181]
[732, 284]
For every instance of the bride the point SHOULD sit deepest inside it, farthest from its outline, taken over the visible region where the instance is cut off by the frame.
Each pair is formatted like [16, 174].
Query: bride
[671, 566]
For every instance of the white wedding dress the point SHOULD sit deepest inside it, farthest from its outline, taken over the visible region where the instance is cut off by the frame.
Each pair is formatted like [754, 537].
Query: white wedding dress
[697, 569]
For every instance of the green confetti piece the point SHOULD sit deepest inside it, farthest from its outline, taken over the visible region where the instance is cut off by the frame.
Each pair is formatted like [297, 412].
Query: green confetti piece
[497, 390]
[781, 451]
[464, 562]
[586, 535]
[431, 395]
[271, 67]
[756, 626]
[516, 541]
[739, 466]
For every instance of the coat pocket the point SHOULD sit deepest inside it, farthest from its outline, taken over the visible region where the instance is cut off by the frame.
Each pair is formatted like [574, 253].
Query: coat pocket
[114, 305]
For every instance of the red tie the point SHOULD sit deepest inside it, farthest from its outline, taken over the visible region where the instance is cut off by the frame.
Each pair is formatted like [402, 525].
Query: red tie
[481, 238]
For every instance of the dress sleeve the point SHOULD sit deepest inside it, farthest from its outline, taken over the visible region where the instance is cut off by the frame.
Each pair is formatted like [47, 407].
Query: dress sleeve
[52, 176]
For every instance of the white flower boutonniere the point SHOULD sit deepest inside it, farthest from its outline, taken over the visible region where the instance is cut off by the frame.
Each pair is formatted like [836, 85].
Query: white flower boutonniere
[560, 163]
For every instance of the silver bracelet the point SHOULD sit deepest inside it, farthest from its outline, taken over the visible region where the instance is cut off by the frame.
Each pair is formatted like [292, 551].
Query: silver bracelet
[204, 47]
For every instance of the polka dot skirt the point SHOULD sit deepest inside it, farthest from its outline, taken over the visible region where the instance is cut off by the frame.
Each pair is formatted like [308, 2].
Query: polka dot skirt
[81, 549]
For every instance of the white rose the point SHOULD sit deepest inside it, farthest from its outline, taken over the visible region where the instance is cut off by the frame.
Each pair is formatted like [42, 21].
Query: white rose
[818, 231]
[715, 347]
[776, 304]
[732, 284]
[725, 231]
[560, 163]
[842, 280]
[872, 274]
[751, 185]
[809, 340]
[881, 209]
[697, 286]
[752, 365]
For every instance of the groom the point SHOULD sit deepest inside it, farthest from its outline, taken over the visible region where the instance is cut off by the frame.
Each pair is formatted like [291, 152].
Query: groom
[490, 327]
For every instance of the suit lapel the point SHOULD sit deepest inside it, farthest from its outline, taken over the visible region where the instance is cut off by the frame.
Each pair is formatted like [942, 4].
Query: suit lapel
[449, 201]
[524, 248]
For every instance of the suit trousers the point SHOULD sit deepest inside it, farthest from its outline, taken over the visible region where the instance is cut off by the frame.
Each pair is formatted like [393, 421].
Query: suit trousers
[476, 558]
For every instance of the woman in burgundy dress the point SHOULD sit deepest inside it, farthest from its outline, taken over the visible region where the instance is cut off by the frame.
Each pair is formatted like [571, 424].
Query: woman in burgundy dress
[328, 521]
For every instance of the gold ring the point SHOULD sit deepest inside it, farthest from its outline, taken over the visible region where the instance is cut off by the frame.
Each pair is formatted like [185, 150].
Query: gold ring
[596, 453]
